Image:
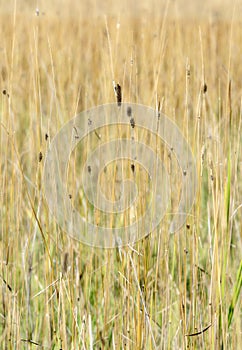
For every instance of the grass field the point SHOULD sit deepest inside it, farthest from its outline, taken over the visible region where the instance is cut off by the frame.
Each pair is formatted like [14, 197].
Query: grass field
[179, 291]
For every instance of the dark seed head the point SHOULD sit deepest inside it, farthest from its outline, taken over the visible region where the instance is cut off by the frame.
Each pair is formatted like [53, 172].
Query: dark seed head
[40, 156]
[118, 94]
[132, 123]
[129, 111]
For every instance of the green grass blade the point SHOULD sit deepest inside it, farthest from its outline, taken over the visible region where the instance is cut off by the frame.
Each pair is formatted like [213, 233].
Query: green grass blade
[236, 294]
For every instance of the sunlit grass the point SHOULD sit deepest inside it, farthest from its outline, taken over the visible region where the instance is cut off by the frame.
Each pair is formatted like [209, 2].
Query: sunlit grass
[165, 290]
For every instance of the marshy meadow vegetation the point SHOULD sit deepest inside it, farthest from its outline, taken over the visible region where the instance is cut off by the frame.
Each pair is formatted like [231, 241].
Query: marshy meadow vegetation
[179, 291]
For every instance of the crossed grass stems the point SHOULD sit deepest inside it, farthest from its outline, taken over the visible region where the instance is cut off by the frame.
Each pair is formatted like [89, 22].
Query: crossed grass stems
[58, 293]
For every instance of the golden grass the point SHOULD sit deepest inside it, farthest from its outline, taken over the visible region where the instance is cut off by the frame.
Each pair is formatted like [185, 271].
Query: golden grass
[58, 293]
